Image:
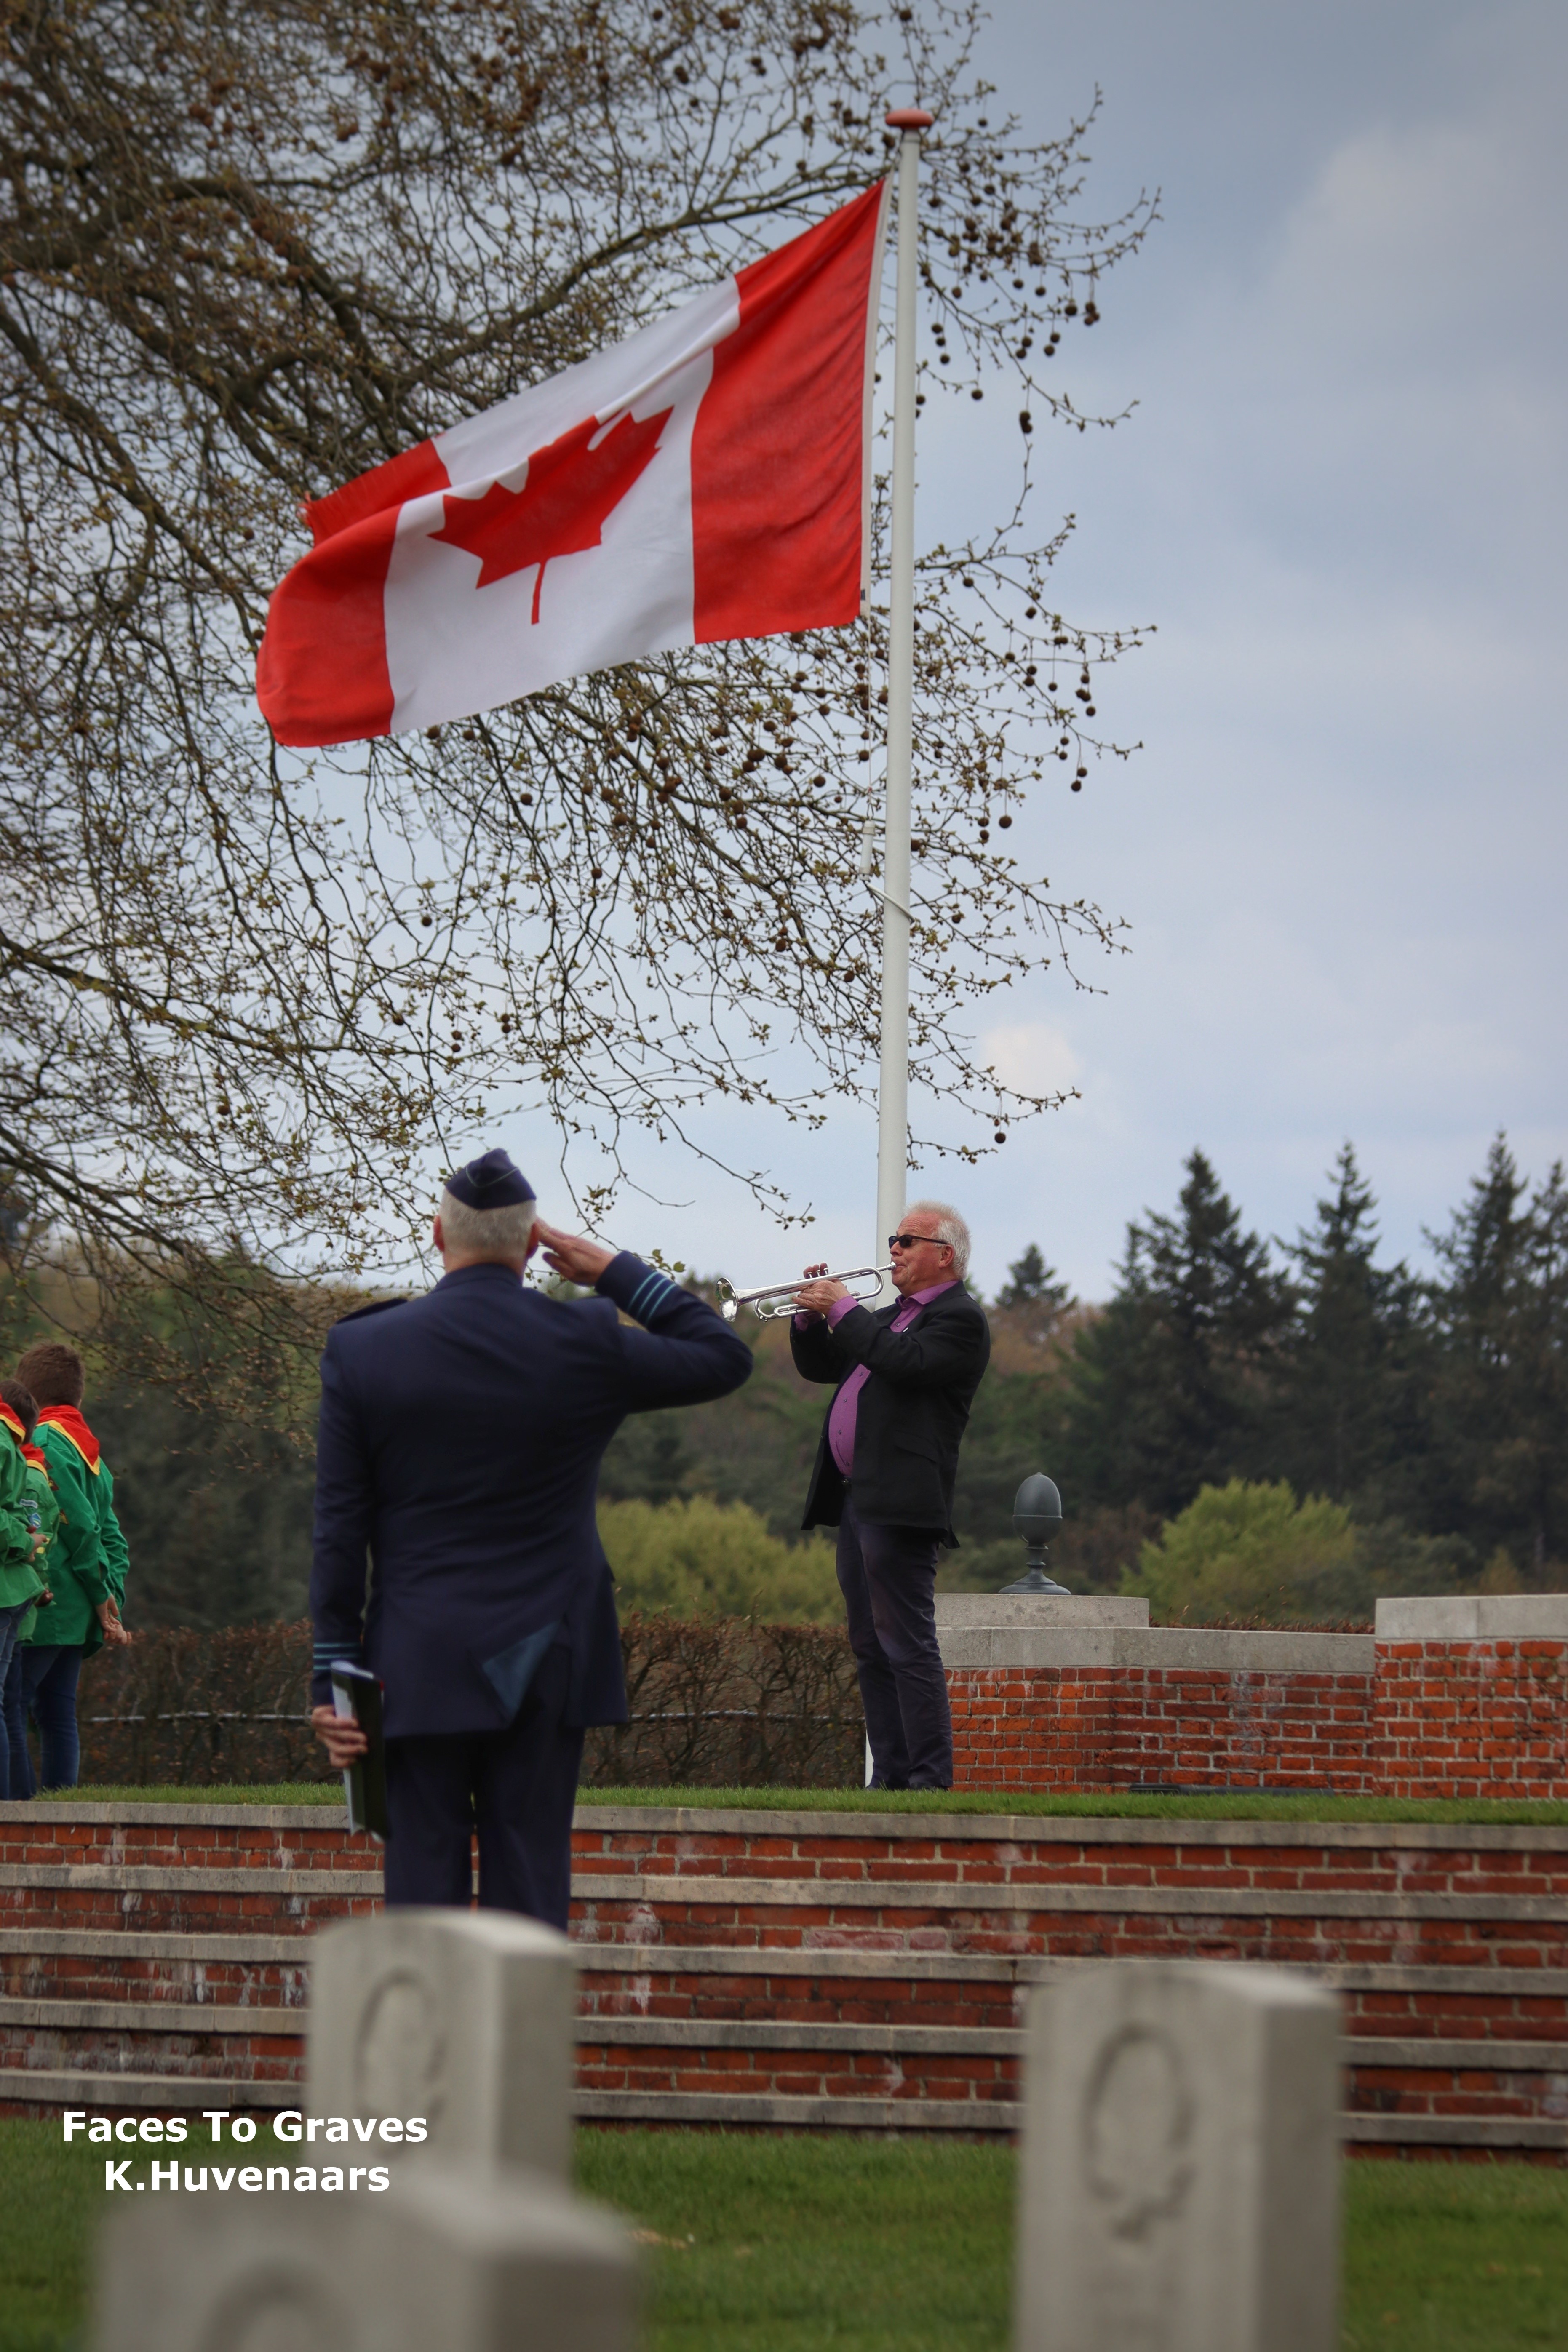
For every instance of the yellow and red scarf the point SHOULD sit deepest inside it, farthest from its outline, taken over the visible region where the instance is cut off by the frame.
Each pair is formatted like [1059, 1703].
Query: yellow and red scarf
[67, 1419]
[30, 1453]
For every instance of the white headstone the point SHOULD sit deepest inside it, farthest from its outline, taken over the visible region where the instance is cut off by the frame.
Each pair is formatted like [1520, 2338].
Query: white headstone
[1179, 2188]
[450, 2259]
[466, 2018]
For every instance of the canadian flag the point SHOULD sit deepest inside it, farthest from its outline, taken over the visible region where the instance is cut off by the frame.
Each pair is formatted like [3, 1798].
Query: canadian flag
[707, 479]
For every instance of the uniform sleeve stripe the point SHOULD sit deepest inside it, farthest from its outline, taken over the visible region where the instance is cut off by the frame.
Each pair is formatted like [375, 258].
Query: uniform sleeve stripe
[648, 1296]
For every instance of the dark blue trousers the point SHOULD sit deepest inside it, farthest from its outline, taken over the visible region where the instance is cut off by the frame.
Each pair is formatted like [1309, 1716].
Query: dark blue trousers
[10, 1621]
[41, 1683]
[516, 1788]
[887, 1578]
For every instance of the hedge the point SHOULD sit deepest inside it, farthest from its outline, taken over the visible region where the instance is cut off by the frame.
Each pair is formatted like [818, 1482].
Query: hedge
[714, 1703]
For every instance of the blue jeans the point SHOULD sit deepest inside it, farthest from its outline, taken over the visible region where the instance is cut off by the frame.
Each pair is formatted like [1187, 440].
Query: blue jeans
[42, 1683]
[9, 1620]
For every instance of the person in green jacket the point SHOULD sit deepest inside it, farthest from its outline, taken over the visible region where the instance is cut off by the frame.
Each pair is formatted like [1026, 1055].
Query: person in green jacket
[23, 1539]
[87, 1571]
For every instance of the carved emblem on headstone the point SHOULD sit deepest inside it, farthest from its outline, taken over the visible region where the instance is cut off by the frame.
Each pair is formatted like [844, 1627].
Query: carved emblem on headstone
[1137, 2129]
[400, 2049]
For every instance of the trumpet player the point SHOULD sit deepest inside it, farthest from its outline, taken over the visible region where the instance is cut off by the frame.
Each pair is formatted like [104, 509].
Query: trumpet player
[904, 1378]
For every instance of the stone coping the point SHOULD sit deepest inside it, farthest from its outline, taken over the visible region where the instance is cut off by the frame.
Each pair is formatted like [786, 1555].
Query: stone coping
[1475, 1617]
[1171, 1649]
[714, 1821]
[1078, 1829]
[173, 1812]
[1037, 1610]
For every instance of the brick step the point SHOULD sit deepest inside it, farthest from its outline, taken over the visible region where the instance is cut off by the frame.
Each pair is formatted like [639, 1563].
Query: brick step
[181, 1897]
[1020, 1850]
[123, 2093]
[741, 2111]
[292, 1837]
[828, 1984]
[277, 2035]
[277, 2032]
[45, 2090]
[94, 2053]
[1292, 1925]
[62, 1963]
[1285, 1928]
[208, 2042]
[955, 1849]
[774, 1969]
[218, 1984]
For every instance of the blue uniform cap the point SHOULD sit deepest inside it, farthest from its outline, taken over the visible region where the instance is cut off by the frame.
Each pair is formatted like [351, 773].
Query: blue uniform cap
[491, 1182]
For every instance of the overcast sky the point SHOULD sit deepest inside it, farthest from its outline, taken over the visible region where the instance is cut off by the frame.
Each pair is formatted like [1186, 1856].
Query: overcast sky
[1340, 499]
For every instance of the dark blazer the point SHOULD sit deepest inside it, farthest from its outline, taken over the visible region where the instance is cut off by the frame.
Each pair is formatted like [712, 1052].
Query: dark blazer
[911, 1411]
[460, 1440]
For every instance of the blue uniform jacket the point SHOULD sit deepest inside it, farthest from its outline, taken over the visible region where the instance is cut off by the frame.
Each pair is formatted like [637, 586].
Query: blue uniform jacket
[456, 1472]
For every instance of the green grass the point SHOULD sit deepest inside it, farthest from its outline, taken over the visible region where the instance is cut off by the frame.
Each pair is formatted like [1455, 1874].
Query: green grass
[1455, 2258]
[777, 2245]
[49, 2197]
[760, 2244]
[1240, 1805]
[780, 2245]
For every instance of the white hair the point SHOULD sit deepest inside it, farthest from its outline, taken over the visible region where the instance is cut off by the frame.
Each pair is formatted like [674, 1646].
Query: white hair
[490, 1233]
[950, 1228]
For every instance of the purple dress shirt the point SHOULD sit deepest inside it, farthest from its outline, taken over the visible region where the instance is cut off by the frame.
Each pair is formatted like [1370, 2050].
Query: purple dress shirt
[846, 1404]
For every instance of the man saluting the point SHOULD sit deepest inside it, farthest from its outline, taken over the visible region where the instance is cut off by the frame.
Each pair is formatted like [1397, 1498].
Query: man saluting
[459, 1448]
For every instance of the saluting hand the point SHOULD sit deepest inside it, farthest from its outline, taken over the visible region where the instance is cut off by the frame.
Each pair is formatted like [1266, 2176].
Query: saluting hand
[568, 1253]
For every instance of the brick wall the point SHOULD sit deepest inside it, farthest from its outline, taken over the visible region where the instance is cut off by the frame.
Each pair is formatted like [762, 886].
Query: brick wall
[1461, 1697]
[1472, 1699]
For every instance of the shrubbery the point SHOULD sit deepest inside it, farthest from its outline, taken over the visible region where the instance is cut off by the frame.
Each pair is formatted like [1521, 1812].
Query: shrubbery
[700, 1559]
[716, 1704]
[1254, 1552]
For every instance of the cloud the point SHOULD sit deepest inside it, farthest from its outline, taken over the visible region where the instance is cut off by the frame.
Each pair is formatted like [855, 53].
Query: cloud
[1031, 1058]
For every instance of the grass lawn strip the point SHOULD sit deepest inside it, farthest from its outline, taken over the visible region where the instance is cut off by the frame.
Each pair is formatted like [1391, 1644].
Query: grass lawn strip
[764, 2244]
[759, 2244]
[1109, 1804]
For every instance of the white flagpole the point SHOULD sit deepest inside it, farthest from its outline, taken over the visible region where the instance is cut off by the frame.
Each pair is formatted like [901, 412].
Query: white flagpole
[894, 1082]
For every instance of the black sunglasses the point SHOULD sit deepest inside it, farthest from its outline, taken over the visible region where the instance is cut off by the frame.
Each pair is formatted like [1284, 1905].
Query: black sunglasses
[913, 1240]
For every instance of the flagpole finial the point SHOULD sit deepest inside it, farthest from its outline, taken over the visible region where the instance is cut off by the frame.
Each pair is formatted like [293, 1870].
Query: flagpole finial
[910, 118]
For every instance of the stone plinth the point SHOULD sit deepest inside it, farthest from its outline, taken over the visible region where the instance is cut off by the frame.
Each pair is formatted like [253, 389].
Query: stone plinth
[1084, 1693]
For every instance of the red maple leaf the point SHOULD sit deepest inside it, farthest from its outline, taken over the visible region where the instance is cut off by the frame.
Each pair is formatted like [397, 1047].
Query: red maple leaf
[561, 508]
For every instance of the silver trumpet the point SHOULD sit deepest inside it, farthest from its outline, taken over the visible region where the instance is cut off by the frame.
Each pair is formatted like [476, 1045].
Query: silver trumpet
[763, 1302]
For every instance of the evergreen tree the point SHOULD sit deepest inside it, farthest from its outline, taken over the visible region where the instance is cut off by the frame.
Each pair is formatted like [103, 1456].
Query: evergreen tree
[1034, 1299]
[1032, 1282]
[1500, 1312]
[1168, 1389]
[1349, 1419]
